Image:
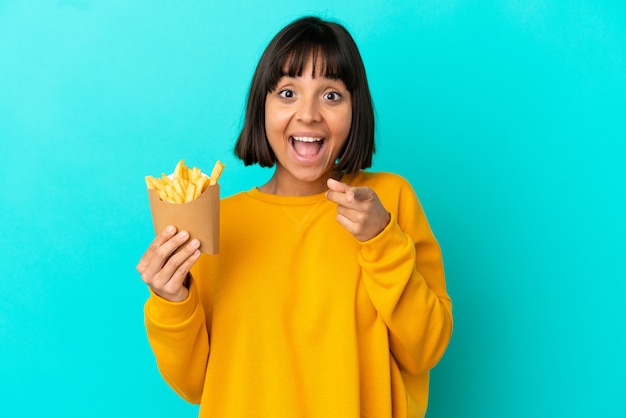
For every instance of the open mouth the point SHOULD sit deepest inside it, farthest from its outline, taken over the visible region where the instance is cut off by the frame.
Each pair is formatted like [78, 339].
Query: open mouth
[306, 146]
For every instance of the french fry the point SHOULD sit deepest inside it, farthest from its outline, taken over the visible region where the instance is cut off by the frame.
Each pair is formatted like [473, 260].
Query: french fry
[196, 174]
[216, 172]
[184, 184]
[180, 170]
[178, 186]
[152, 183]
[201, 185]
[166, 180]
[190, 193]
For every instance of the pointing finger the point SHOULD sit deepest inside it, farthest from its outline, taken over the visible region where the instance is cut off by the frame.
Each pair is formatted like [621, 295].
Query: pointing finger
[342, 193]
[336, 190]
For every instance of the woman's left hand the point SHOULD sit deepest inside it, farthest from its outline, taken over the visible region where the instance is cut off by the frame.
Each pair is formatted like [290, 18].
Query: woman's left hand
[359, 209]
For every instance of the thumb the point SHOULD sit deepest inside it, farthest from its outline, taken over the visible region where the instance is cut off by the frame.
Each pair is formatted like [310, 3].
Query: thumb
[337, 186]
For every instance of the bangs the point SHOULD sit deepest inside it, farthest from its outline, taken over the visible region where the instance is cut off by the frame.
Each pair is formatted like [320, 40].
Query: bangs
[319, 46]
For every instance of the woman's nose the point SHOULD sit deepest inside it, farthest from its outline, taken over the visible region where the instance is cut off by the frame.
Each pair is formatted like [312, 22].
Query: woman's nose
[309, 111]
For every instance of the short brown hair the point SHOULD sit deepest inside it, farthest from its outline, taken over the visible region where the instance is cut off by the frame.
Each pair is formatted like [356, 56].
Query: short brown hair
[291, 49]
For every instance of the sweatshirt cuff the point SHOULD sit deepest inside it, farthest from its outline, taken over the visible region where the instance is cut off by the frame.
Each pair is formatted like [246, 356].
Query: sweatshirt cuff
[167, 313]
[388, 241]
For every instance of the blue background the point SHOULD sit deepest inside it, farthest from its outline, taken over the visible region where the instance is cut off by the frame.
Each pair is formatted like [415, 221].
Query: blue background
[508, 117]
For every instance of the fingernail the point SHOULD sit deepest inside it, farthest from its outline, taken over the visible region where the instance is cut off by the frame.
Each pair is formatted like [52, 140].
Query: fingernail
[170, 229]
[195, 243]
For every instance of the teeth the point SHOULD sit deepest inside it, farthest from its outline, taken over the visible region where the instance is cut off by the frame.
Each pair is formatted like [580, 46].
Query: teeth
[306, 139]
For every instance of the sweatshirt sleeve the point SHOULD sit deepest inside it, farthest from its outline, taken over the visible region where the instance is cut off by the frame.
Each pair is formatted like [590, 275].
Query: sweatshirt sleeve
[404, 277]
[179, 340]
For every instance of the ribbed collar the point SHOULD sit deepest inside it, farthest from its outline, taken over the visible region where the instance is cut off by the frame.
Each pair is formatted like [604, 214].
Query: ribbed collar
[255, 193]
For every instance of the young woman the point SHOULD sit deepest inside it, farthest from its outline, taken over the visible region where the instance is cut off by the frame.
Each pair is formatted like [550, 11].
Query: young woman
[328, 297]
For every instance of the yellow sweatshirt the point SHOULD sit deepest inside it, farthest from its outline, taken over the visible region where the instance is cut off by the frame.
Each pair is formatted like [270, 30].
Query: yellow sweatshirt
[297, 318]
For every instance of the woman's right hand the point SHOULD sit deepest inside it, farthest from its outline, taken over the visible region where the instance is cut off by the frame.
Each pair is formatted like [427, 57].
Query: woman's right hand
[165, 269]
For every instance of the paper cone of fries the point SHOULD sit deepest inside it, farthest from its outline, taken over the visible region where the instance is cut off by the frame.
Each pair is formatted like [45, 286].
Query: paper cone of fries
[200, 217]
[189, 200]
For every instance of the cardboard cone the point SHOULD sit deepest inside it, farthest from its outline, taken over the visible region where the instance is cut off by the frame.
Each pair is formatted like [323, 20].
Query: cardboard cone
[200, 217]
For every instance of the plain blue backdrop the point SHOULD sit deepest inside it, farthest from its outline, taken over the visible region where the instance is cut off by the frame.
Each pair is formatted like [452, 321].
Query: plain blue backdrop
[508, 117]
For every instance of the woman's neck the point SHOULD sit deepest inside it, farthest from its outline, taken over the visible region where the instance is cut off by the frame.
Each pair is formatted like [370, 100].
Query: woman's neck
[282, 185]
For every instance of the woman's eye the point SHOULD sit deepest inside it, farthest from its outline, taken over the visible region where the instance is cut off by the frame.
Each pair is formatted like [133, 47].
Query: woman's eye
[286, 94]
[332, 95]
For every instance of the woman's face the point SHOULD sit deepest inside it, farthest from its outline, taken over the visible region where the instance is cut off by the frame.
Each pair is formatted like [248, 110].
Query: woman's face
[307, 121]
